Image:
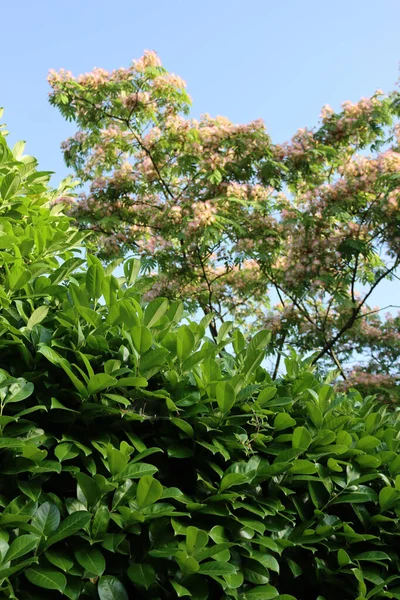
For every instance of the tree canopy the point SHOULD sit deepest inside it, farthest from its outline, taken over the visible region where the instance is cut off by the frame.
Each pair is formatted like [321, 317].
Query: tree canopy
[293, 237]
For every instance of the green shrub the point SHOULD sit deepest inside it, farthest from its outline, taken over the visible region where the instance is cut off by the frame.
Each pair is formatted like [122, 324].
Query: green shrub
[141, 460]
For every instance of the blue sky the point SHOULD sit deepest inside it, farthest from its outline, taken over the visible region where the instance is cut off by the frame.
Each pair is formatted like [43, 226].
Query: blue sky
[246, 59]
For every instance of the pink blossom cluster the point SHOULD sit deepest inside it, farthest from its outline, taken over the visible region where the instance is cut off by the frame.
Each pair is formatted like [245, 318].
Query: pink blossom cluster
[204, 214]
[149, 59]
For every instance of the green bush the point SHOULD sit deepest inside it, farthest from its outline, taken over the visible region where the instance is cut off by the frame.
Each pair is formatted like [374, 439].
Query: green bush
[141, 460]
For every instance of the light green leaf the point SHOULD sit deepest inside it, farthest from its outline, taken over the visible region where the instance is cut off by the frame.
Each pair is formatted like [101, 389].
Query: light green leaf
[94, 281]
[154, 311]
[99, 382]
[184, 342]
[301, 438]
[283, 421]
[10, 185]
[196, 539]
[37, 316]
[180, 589]
[131, 270]
[388, 496]
[117, 461]
[141, 338]
[149, 490]
[225, 396]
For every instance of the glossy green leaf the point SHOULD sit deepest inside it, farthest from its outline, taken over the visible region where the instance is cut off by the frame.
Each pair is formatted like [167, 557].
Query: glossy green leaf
[91, 559]
[46, 519]
[69, 526]
[110, 588]
[48, 579]
[142, 574]
[22, 545]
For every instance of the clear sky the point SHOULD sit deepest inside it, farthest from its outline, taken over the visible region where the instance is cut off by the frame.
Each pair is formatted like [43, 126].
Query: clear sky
[245, 59]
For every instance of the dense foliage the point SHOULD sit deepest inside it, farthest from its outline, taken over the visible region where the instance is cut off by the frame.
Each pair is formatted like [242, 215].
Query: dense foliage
[230, 222]
[141, 459]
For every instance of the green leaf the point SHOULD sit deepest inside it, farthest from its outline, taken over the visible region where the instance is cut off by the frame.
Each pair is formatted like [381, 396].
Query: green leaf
[91, 559]
[110, 588]
[184, 426]
[153, 359]
[100, 521]
[8, 571]
[374, 555]
[46, 519]
[180, 589]
[232, 479]
[19, 392]
[66, 451]
[362, 494]
[46, 578]
[367, 443]
[142, 574]
[184, 342]
[196, 539]
[343, 558]
[71, 525]
[283, 421]
[21, 546]
[99, 382]
[267, 560]
[94, 281]
[131, 382]
[60, 559]
[37, 316]
[141, 338]
[149, 490]
[216, 568]
[18, 149]
[388, 496]
[117, 461]
[154, 311]
[136, 470]
[303, 467]
[18, 277]
[225, 396]
[10, 185]
[89, 488]
[55, 358]
[301, 438]
[266, 395]
[131, 270]
[238, 341]
[261, 592]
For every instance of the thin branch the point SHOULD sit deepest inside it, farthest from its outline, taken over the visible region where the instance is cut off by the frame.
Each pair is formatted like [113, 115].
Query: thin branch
[352, 319]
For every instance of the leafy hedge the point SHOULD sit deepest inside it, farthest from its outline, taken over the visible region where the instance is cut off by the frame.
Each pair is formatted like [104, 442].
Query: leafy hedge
[141, 460]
